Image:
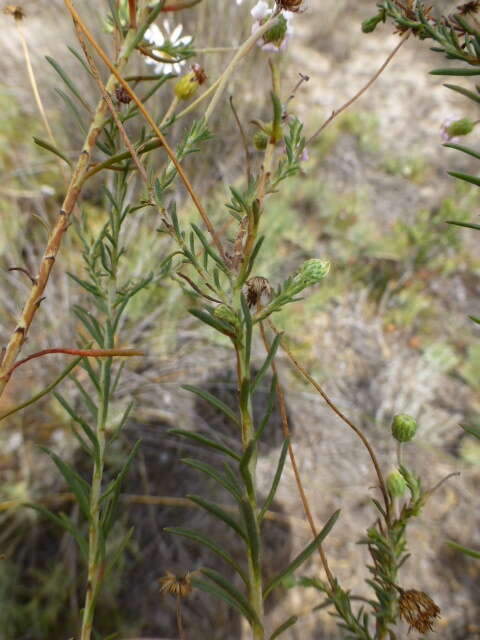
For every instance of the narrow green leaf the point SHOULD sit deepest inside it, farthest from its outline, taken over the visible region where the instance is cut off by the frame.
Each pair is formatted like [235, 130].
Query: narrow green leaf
[459, 147]
[208, 248]
[81, 422]
[214, 401]
[244, 467]
[215, 590]
[455, 72]
[68, 82]
[276, 480]
[283, 627]
[253, 533]
[248, 327]
[219, 513]
[469, 225]
[464, 176]
[49, 147]
[234, 593]
[465, 550]
[268, 361]
[72, 107]
[270, 406]
[465, 92]
[79, 487]
[304, 555]
[216, 323]
[207, 442]
[81, 60]
[65, 523]
[213, 473]
[255, 252]
[471, 430]
[207, 542]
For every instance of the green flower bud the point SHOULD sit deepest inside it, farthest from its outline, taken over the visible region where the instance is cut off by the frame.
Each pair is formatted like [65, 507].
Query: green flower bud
[370, 24]
[277, 33]
[260, 140]
[396, 484]
[312, 271]
[226, 314]
[187, 86]
[461, 127]
[404, 427]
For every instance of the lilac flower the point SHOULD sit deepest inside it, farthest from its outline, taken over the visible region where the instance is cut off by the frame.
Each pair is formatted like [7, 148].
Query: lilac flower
[452, 128]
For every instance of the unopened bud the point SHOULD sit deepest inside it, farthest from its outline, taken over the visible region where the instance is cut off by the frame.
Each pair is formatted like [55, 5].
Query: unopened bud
[370, 24]
[461, 127]
[277, 33]
[396, 484]
[313, 270]
[226, 314]
[404, 427]
[187, 86]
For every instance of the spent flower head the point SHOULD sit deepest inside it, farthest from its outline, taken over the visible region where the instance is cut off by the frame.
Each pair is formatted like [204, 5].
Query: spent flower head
[176, 585]
[418, 610]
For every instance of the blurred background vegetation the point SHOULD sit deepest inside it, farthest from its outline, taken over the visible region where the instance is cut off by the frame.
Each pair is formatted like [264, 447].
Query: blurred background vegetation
[387, 331]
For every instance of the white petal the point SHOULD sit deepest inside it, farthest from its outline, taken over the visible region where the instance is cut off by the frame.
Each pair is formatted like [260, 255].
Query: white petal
[154, 35]
[176, 32]
[260, 10]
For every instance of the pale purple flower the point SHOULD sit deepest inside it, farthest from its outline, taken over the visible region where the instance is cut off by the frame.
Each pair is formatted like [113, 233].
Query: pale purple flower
[446, 124]
[158, 38]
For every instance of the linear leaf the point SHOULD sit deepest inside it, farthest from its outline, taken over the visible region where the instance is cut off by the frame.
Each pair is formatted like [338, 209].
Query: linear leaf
[471, 430]
[465, 92]
[306, 553]
[216, 323]
[62, 521]
[283, 627]
[465, 550]
[469, 225]
[71, 105]
[207, 542]
[210, 471]
[270, 406]
[227, 587]
[466, 177]
[49, 147]
[207, 442]
[80, 421]
[276, 480]
[215, 590]
[253, 534]
[67, 80]
[214, 401]
[460, 147]
[80, 488]
[455, 72]
[218, 512]
[268, 360]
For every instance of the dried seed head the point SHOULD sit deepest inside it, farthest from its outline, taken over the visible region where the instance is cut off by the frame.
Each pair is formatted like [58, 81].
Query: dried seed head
[290, 5]
[258, 292]
[418, 610]
[179, 586]
[14, 10]
[469, 7]
[122, 95]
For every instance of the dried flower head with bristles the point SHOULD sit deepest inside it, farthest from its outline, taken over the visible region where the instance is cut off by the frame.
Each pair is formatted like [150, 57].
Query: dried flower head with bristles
[179, 586]
[418, 610]
[14, 10]
[469, 7]
[258, 292]
[122, 95]
[290, 5]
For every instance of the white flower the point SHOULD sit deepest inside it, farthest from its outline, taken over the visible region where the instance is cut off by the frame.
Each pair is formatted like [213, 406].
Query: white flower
[261, 11]
[158, 38]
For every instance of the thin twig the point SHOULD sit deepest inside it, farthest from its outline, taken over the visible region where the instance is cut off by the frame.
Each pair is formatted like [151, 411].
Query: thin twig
[153, 125]
[296, 472]
[359, 93]
[341, 415]
[111, 106]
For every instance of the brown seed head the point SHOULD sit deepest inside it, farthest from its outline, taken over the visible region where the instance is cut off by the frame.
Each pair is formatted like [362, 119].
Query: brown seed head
[258, 291]
[290, 5]
[469, 7]
[179, 586]
[14, 10]
[122, 95]
[418, 610]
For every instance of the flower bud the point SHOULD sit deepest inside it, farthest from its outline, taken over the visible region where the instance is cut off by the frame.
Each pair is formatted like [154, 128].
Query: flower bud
[226, 314]
[370, 24]
[277, 33]
[404, 427]
[453, 127]
[260, 140]
[396, 484]
[313, 270]
[187, 86]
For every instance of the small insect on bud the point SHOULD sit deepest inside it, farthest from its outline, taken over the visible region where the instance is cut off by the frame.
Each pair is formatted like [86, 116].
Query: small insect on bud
[404, 427]
[396, 484]
[418, 610]
[122, 95]
[187, 86]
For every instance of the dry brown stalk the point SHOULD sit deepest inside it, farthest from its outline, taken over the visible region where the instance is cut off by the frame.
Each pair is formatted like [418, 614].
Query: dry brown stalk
[153, 125]
[293, 460]
[342, 416]
[31, 305]
[359, 93]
